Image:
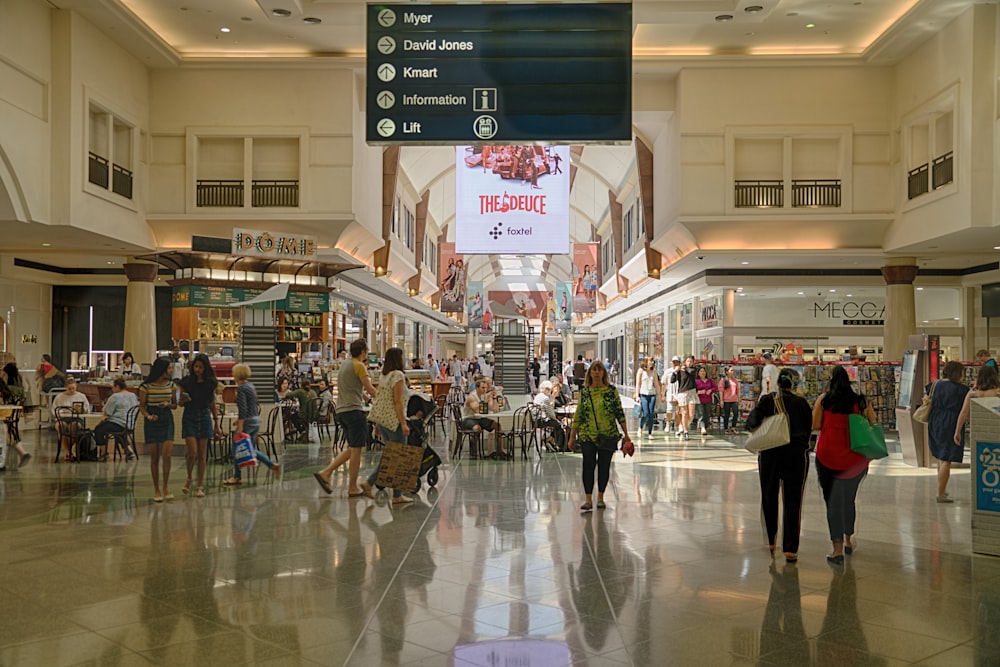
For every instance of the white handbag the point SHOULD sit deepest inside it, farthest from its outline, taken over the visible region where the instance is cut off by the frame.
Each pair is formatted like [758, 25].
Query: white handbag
[772, 432]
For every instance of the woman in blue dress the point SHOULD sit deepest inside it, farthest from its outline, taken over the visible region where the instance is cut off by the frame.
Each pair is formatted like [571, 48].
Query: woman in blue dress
[949, 396]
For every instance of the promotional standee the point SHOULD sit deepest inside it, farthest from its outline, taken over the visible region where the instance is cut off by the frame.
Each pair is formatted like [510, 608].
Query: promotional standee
[920, 366]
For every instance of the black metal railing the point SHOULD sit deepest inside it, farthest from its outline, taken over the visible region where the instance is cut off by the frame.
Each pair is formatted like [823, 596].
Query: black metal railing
[98, 171]
[942, 169]
[816, 193]
[760, 194]
[275, 193]
[121, 181]
[219, 193]
[917, 182]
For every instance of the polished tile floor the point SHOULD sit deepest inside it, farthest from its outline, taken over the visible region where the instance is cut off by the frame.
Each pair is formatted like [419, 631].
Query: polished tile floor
[495, 566]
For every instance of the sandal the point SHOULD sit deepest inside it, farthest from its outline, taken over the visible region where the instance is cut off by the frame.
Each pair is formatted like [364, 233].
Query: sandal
[187, 487]
[200, 493]
[401, 500]
[233, 481]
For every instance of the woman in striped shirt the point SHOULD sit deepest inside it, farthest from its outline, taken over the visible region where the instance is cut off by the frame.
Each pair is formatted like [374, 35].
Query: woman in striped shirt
[158, 397]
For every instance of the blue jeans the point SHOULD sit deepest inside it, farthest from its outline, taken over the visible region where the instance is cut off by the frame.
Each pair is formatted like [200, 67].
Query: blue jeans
[648, 402]
[387, 436]
[251, 427]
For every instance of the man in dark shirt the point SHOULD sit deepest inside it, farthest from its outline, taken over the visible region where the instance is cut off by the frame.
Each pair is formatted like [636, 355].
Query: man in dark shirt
[579, 371]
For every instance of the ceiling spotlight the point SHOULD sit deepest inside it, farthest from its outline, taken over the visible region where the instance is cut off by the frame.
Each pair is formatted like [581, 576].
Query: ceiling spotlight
[223, 29]
[753, 9]
[724, 18]
[312, 20]
[46, 245]
[281, 13]
[810, 26]
[744, 263]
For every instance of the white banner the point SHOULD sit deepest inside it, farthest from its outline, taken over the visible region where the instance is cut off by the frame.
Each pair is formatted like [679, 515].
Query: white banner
[512, 200]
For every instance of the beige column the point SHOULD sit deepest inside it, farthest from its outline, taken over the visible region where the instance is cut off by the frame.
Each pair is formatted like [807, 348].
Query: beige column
[140, 311]
[470, 342]
[569, 347]
[900, 309]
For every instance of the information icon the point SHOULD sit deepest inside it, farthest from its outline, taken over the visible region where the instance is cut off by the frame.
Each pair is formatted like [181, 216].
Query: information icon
[485, 127]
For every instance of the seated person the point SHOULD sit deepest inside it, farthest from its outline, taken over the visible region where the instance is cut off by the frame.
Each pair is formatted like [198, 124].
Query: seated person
[116, 410]
[477, 399]
[68, 429]
[561, 394]
[545, 417]
[305, 415]
[326, 400]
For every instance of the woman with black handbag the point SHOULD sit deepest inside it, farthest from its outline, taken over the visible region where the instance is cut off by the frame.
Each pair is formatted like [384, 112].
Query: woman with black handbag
[784, 468]
[598, 416]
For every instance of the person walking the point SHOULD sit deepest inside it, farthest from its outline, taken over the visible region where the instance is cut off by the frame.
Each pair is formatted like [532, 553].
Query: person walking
[784, 468]
[200, 420]
[769, 375]
[729, 391]
[158, 397]
[598, 417]
[942, 427]
[352, 384]
[647, 388]
[706, 396]
[840, 470]
[687, 395]
[389, 414]
[248, 421]
[668, 392]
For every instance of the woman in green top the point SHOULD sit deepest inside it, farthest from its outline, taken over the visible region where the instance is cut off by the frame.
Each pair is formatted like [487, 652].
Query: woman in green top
[598, 415]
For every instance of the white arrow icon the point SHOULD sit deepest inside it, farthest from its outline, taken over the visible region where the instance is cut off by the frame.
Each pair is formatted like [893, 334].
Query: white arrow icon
[385, 99]
[386, 127]
[386, 45]
[386, 18]
[386, 72]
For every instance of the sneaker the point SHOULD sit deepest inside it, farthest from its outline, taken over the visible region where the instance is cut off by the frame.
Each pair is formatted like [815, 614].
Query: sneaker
[945, 499]
[586, 507]
[601, 505]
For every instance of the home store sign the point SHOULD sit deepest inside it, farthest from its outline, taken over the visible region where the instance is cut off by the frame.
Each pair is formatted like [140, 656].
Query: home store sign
[850, 313]
[272, 244]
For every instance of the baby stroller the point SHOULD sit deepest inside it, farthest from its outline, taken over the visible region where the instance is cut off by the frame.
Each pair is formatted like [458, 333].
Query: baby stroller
[420, 410]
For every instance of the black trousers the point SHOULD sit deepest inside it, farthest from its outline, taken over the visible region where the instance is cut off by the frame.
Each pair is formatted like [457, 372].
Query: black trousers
[783, 469]
[595, 458]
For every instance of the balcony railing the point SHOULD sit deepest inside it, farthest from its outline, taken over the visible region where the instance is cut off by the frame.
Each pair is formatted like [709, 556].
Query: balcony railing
[917, 182]
[942, 169]
[816, 193]
[220, 193]
[275, 193]
[760, 194]
[121, 181]
[98, 170]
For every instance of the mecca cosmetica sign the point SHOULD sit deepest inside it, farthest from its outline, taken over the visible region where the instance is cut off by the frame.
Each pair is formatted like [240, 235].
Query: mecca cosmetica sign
[850, 312]
[809, 312]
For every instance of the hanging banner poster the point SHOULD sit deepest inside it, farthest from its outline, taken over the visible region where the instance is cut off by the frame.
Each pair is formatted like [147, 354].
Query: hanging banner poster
[452, 273]
[550, 313]
[564, 306]
[474, 304]
[585, 277]
[512, 199]
[487, 329]
[527, 305]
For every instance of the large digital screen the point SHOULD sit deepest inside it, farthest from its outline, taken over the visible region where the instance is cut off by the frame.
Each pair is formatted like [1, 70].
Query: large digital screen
[512, 199]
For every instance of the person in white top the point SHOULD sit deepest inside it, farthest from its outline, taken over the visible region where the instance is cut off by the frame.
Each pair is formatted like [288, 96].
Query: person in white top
[769, 376]
[177, 365]
[668, 392]
[546, 418]
[647, 388]
[479, 401]
[78, 404]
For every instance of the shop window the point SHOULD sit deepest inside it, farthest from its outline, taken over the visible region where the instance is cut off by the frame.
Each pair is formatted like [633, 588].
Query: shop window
[929, 146]
[110, 141]
[628, 229]
[229, 167]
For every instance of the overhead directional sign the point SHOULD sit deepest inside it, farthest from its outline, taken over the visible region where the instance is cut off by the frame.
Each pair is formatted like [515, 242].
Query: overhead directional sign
[462, 74]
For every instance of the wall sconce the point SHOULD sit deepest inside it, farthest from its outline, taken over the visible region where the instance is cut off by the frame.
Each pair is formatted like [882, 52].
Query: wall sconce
[653, 273]
[380, 271]
[413, 291]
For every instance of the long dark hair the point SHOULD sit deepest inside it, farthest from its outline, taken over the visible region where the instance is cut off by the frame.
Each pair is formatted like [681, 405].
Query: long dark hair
[159, 367]
[208, 375]
[986, 380]
[393, 360]
[13, 375]
[840, 397]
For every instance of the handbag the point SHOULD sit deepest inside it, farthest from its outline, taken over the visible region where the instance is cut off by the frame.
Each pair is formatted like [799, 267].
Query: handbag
[243, 453]
[866, 439]
[772, 432]
[637, 411]
[923, 412]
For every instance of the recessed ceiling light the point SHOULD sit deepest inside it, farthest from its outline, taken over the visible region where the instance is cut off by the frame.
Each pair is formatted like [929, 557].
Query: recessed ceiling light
[920, 289]
[810, 26]
[111, 261]
[46, 245]
[955, 318]
[800, 293]
[833, 290]
[744, 263]
[724, 18]
[246, 18]
[850, 295]
[996, 247]
[312, 20]
[282, 13]
[926, 321]
[223, 29]
[753, 9]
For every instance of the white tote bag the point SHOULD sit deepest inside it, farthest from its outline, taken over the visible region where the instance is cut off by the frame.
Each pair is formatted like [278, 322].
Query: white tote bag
[772, 432]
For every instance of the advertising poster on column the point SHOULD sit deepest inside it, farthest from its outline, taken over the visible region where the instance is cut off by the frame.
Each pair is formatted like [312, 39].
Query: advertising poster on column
[475, 304]
[487, 330]
[512, 199]
[564, 306]
[585, 277]
[452, 279]
[550, 312]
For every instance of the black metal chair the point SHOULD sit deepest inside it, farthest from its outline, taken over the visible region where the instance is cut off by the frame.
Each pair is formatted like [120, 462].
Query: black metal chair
[321, 416]
[265, 441]
[473, 435]
[522, 429]
[13, 421]
[69, 425]
[125, 440]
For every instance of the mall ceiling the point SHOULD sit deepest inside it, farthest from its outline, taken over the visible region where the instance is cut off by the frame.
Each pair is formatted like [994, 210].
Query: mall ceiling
[669, 34]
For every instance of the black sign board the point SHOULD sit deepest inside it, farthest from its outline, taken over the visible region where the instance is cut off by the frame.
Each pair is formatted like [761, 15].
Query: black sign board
[466, 74]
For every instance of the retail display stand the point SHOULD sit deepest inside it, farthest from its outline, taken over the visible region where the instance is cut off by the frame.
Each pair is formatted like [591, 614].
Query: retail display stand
[984, 454]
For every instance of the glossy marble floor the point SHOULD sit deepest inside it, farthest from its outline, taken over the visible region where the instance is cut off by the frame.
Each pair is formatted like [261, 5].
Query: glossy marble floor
[496, 566]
